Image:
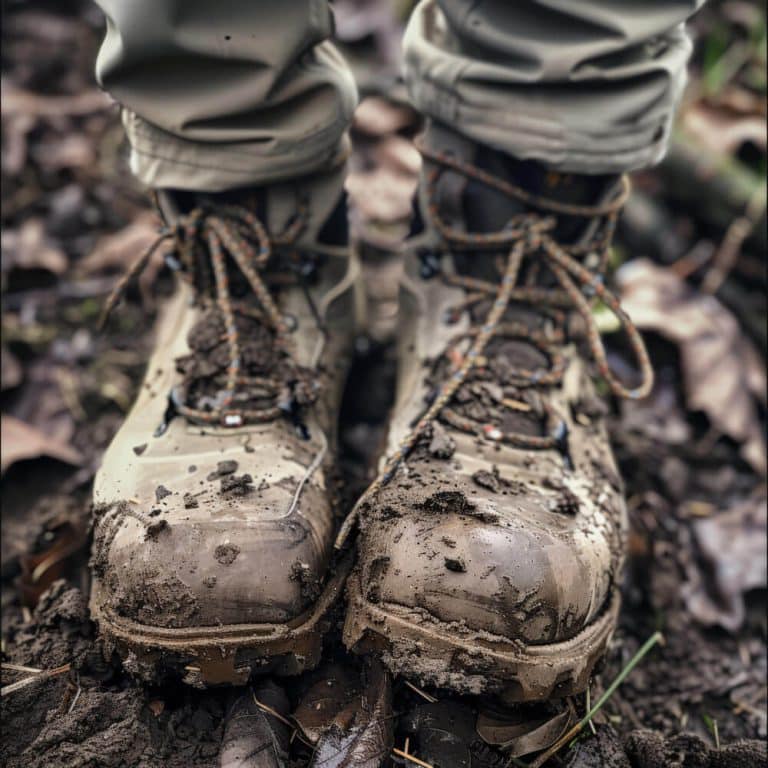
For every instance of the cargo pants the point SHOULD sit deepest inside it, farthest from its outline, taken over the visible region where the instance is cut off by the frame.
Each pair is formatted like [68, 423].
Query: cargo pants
[247, 92]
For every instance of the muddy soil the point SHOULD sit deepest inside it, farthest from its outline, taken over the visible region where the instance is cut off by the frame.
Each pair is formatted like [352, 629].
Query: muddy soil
[72, 218]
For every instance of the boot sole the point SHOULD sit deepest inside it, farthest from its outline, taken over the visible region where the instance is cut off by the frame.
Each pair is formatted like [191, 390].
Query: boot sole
[419, 646]
[221, 655]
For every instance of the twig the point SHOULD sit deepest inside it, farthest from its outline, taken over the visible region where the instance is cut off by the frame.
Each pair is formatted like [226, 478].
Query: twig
[411, 758]
[569, 735]
[76, 697]
[19, 668]
[33, 678]
[266, 708]
[738, 231]
[423, 694]
[587, 702]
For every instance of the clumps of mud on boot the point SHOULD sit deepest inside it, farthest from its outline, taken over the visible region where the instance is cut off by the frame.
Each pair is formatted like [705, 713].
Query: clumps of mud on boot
[441, 444]
[161, 492]
[231, 484]
[226, 554]
[310, 587]
[236, 485]
[223, 468]
[156, 598]
[204, 370]
[488, 480]
[190, 501]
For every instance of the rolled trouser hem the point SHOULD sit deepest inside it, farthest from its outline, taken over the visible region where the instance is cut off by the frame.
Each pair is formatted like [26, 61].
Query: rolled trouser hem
[163, 160]
[520, 132]
[602, 103]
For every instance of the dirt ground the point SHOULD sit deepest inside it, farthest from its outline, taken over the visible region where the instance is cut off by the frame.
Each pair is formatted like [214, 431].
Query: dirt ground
[690, 265]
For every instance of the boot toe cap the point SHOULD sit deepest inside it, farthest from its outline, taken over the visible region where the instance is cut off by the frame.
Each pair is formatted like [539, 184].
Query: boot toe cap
[521, 573]
[212, 572]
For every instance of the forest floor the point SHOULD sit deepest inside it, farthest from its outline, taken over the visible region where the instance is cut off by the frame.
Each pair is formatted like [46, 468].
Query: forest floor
[690, 263]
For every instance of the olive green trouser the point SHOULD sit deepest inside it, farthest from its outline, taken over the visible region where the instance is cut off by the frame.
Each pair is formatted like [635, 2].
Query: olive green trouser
[239, 92]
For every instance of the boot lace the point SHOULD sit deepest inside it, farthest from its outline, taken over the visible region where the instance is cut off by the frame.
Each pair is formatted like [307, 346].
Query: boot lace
[209, 245]
[529, 240]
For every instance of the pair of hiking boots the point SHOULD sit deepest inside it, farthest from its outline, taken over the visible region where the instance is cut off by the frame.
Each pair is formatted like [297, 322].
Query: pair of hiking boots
[485, 557]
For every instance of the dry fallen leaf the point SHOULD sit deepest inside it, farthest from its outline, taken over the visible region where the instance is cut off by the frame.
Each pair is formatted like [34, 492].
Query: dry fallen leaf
[18, 101]
[732, 549]
[117, 251]
[12, 372]
[376, 116]
[723, 131]
[75, 150]
[381, 195]
[29, 248]
[722, 372]
[21, 441]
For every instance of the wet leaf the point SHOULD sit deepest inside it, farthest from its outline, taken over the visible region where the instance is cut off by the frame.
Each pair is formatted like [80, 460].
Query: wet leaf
[254, 738]
[369, 740]
[325, 701]
[521, 733]
[443, 730]
[722, 372]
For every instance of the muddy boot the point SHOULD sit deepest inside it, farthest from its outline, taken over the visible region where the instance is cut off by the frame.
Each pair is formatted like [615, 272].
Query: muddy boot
[490, 546]
[214, 506]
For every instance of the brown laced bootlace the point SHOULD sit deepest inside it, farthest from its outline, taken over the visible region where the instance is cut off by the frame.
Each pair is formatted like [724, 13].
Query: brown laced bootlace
[205, 241]
[528, 236]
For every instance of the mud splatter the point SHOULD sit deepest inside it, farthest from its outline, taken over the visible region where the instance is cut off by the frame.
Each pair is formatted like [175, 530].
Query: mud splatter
[228, 467]
[236, 485]
[161, 492]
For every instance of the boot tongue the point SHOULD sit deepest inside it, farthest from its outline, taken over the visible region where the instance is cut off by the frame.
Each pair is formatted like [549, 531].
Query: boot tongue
[487, 210]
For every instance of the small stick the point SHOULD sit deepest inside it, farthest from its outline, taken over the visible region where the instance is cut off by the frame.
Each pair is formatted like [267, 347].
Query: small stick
[43, 675]
[516, 405]
[423, 694]
[284, 720]
[19, 668]
[411, 758]
[77, 696]
[587, 702]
